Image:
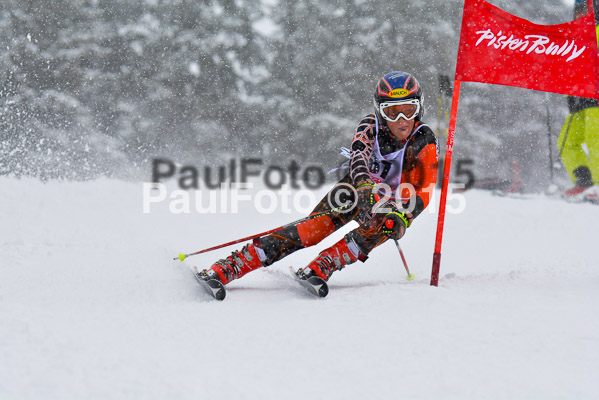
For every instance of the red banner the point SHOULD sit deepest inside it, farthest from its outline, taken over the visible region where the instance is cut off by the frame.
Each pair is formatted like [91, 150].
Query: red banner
[500, 48]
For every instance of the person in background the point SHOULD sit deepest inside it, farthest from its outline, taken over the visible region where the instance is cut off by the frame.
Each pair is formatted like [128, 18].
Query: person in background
[581, 129]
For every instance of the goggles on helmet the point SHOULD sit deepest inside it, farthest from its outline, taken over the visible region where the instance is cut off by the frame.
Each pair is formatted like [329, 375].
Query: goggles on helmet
[394, 110]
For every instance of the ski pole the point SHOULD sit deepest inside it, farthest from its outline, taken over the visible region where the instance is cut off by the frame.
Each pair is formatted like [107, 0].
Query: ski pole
[410, 276]
[561, 149]
[182, 256]
[551, 164]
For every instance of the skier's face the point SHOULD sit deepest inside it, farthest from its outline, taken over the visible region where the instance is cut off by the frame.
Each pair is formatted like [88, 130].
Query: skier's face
[401, 129]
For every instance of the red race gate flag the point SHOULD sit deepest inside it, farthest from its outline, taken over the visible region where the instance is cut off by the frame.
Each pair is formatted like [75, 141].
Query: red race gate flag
[500, 48]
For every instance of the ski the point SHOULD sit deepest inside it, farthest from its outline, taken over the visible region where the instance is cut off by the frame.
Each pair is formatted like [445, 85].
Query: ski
[214, 287]
[314, 284]
[591, 198]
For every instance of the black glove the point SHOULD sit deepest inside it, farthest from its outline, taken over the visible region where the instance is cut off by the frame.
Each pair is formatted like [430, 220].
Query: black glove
[395, 224]
[367, 196]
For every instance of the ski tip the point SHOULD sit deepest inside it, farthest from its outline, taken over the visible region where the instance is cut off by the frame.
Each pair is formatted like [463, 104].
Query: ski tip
[314, 285]
[410, 277]
[217, 289]
[182, 256]
[219, 292]
[323, 290]
[214, 287]
[318, 286]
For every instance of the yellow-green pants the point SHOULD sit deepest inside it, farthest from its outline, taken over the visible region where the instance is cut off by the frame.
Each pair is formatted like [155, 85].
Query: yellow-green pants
[583, 129]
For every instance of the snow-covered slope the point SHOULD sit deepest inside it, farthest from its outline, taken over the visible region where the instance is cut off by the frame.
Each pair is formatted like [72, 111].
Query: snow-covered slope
[92, 306]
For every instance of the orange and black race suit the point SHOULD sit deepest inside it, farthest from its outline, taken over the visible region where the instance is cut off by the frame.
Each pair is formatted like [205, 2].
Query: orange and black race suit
[417, 175]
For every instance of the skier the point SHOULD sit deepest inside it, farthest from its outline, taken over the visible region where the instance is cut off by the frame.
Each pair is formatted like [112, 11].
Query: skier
[390, 147]
[581, 127]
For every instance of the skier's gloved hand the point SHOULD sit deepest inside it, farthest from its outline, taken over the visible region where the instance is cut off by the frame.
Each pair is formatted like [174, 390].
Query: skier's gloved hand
[395, 224]
[367, 196]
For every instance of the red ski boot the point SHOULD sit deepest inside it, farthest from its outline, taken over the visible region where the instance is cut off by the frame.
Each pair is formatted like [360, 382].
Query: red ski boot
[332, 259]
[236, 265]
[584, 181]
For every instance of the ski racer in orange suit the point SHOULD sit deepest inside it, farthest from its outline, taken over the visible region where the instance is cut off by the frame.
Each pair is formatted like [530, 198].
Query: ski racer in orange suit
[392, 171]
